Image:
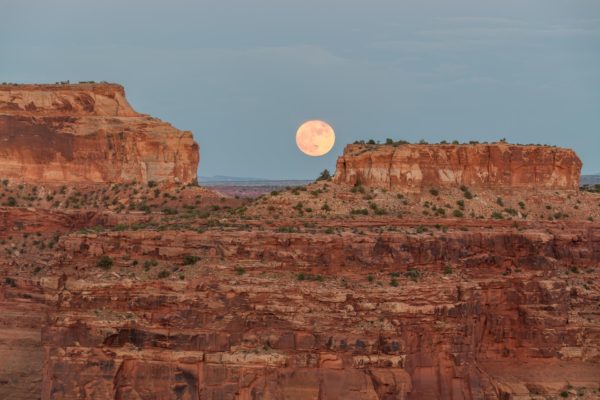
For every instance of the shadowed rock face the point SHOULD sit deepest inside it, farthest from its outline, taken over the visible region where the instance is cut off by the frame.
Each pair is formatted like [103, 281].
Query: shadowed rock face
[88, 134]
[417, 167]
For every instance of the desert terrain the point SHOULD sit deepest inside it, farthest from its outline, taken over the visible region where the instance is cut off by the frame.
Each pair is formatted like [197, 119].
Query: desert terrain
[419, 271]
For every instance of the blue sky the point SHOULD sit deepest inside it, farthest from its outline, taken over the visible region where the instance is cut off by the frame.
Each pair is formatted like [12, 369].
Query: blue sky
[244, 74]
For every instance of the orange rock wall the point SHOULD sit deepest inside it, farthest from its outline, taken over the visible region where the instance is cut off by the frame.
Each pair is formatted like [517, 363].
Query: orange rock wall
[88, 133]
[417, 167]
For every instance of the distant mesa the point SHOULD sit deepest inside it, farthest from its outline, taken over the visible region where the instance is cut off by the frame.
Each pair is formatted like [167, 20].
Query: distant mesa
[88, 133]
[415, 167]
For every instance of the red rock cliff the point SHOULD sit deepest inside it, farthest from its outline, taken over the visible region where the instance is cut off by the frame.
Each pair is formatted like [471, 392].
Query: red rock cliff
[499, 165]
[88, 133]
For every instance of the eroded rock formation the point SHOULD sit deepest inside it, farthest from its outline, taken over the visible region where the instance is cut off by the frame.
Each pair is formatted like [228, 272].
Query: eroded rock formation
[416, 167]
[510, 317]
[88, 133]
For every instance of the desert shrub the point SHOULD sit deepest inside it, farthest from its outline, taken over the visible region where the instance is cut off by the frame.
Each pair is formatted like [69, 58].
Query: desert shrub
[360, 211]
[240, 270]
[458, 214]
[521, 205]
[358, 188]
[150, 263]
[164, 274]
[324, 176]
[413, 274]
[447, 270]
[376, 209]
[309, 277]
[560, 215]
[190, 259]
[500, 202]
[434, 192]
[104, 262]
[286, 229]
[497, 215]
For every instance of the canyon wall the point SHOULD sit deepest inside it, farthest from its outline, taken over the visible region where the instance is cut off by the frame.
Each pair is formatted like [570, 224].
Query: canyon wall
[481, 333]
[412, 168]
[88, 133]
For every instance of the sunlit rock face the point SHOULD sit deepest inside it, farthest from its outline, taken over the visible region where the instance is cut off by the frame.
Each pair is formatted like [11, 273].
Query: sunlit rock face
[88, 133]
[416, 167]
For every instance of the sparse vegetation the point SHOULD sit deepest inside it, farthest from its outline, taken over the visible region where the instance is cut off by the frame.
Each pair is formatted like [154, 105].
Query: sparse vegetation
[104, 262]
[458, 214]
[324, 176]
[240, 270]
[190, 260]
[466, 192]
[497, 215]
[413, 274]
[164, 274]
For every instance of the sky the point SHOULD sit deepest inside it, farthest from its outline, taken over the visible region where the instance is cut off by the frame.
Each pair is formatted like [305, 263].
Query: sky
[242, 75]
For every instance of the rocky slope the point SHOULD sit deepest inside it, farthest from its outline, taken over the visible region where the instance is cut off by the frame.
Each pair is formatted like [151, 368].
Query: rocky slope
[242, 310]
[88, 133]
[414, 167]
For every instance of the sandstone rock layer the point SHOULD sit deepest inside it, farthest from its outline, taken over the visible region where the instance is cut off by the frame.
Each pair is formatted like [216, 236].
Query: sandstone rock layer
[88, 133]
[499, 165]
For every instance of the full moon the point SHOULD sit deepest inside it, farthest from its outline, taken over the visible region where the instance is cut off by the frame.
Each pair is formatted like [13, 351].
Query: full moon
[315, 138]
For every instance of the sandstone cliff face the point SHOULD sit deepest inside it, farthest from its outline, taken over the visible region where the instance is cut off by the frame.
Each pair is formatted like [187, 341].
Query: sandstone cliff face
[264, 335]
[88, 133]
[417, 167]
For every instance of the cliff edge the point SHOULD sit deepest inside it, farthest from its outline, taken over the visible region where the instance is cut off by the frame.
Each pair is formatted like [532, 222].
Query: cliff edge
[414, 167]
[88, 133]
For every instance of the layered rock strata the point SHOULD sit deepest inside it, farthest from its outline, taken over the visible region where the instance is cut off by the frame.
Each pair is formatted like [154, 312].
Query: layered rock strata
[415, 167]
[88, 133]
[475, 314]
